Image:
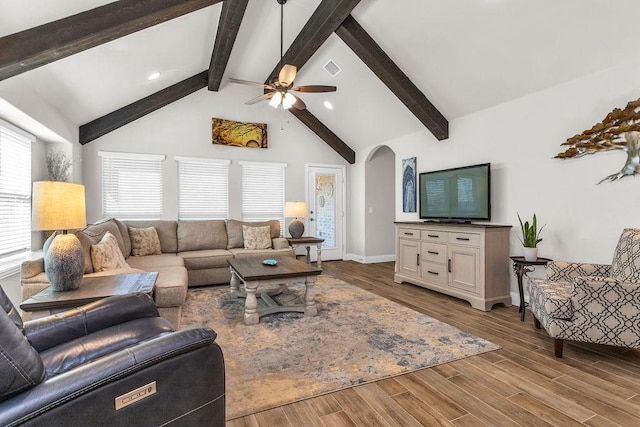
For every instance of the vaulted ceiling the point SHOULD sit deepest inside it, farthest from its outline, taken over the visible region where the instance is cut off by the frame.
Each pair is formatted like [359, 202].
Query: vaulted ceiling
[407, 65]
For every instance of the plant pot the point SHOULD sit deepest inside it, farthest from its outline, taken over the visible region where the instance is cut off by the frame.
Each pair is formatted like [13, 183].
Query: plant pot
[530, 254]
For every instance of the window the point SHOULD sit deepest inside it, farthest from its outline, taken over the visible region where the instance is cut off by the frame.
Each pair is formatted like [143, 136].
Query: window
[131, 185]
[203, 188]
[263, 191]
[15, 190]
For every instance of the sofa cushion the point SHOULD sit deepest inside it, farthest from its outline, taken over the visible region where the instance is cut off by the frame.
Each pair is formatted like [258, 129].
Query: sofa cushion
[626, 258]
[171, 286]
[153, 262]
[124, 232]
[144, 241]
[199, 235]
[241, 253]
[166, 233]
[92, 235]
[20, 364]
[256, 237]
[106, 255]
[234, 231]
[213, 258]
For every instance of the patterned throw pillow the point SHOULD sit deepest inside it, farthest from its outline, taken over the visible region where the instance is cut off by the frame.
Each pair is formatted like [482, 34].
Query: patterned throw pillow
[106, 255]
[626, 258]
[144, 241]
[256, 237]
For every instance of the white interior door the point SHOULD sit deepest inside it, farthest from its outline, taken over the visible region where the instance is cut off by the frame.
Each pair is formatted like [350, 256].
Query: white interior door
[325, 198]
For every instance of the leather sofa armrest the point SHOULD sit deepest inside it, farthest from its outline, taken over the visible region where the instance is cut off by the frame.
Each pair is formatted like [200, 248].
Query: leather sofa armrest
[184, 360]
[57, 329]
[279, 243]
[31, 268]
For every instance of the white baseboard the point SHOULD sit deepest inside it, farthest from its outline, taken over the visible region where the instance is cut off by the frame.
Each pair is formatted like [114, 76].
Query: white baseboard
[369, 260]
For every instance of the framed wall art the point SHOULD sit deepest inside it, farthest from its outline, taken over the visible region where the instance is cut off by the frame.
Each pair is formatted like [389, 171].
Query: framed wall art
[238, 134]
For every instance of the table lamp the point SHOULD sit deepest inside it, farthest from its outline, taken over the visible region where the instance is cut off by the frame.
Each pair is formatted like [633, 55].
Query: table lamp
[295, 210]
[60, 206]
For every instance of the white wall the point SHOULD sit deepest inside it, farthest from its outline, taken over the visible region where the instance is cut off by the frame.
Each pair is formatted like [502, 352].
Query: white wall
[184, 129]
[520, 138]
[379, 206]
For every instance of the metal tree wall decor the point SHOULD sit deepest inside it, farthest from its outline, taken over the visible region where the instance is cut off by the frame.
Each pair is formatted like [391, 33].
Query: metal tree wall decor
[620, 130]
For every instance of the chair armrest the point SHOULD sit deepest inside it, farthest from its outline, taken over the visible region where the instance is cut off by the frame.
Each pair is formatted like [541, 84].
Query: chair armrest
[57, 329]
[279, 243]
[31, 268]
[565, 271]
[184, 360]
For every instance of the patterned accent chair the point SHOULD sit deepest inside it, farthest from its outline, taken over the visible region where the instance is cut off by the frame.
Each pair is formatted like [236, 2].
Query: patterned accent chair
[593, 303]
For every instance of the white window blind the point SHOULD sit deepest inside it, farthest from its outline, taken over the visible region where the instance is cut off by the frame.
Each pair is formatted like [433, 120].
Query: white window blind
[131, 185]
[263, 191]
[15, 190]
[203, 188]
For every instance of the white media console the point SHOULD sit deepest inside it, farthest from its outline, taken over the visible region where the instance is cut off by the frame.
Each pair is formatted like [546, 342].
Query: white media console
[467, 261]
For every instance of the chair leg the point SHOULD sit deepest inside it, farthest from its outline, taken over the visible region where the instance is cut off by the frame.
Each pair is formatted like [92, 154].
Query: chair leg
[536, 322]
[557, 347]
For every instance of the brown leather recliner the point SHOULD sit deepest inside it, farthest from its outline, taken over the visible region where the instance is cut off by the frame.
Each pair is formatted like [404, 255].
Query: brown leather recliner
[111, 362]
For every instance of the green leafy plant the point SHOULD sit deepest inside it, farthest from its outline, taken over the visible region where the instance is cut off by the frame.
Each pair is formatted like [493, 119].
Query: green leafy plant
[530, 232]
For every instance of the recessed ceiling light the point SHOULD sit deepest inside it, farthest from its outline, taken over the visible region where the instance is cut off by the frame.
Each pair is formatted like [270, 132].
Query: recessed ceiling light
[153, 76]
[328, 105]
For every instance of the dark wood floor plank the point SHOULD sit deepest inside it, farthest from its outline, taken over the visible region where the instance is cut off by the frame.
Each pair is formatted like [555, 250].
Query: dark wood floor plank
[422, 412]
[384, 405]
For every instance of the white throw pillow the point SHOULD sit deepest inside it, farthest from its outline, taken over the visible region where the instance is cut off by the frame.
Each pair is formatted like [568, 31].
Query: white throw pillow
[106, 255]
[256, 237]
[144, 241]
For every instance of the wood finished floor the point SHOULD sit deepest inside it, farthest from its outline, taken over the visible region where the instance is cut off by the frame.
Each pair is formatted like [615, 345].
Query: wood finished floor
[522, 384]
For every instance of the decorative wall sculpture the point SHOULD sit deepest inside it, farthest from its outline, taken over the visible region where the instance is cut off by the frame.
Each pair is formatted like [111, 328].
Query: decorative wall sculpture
[620, 130]
[239, 134]
[409, 185]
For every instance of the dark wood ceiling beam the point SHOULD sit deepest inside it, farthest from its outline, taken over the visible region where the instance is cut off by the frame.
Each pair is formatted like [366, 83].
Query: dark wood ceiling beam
[325, 20]
[116, 119]
[228, 27]
[32, 48]
[325, 133]
[391, 75]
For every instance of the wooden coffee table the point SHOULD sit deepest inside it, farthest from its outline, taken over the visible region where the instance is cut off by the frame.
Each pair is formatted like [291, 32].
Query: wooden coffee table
[91, 289]
[253, 273]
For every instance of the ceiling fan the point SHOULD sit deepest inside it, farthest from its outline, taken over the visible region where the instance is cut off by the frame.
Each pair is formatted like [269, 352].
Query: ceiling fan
[279, 91]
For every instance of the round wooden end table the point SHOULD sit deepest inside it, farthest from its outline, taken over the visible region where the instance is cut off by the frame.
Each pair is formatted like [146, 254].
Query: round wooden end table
[521, 267]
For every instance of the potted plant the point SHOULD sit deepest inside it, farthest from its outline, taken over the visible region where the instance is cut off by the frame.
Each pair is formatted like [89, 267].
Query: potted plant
[530, 238]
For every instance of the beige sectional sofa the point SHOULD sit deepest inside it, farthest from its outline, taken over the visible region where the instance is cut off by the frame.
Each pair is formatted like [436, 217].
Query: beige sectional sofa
[194, 253]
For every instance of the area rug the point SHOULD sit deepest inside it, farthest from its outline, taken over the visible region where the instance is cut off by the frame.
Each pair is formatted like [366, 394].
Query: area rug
[357, 337]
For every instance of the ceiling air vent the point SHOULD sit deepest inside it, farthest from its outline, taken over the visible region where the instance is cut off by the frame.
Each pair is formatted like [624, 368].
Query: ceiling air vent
[332, 68]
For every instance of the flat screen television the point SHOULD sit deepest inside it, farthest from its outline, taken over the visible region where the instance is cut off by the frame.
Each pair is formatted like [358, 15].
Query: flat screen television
[456, 195]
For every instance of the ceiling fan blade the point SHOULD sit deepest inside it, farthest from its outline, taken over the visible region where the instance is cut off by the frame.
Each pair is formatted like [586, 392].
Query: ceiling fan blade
[315, 88]
[287, 74]
[299, 104]
[263, 97]
[250, 83]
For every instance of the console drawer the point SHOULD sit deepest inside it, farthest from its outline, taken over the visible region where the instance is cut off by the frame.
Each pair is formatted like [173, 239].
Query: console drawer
[436, 273]
[409, 233]
[468, 239]
[434, 252]
[434, 236]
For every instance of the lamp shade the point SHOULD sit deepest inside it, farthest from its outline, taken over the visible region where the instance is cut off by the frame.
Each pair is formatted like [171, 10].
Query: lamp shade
[58, 205]
[295, 209]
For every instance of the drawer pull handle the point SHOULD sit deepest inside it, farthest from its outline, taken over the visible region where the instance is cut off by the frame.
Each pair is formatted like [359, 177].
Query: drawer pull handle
[418, 259]
[449, 265]
[433, 252]
[432, 272]
[408, 234]
[466, 239]
[437, 236]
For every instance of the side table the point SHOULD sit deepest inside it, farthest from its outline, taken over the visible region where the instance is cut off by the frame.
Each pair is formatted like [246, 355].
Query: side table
[521, 267]
[91, 289]
[307, 241]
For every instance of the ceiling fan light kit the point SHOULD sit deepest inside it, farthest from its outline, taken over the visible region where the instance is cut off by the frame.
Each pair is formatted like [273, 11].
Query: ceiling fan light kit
[278, 92]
